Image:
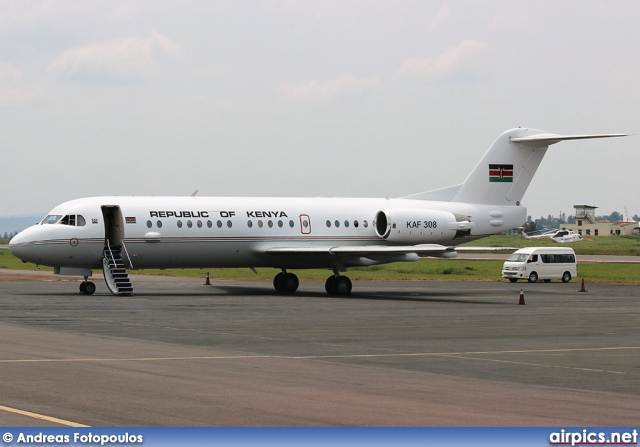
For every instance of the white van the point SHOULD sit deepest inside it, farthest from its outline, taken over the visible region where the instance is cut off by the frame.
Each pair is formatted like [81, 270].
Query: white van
[546, 263]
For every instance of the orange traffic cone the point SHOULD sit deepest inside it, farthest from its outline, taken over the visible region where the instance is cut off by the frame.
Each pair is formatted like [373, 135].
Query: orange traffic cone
[206, 280]
[582, 289]
[521, 302]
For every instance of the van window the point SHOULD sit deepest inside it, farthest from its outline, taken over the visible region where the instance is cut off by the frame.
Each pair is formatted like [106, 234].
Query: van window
[518, 257]
[559, 259]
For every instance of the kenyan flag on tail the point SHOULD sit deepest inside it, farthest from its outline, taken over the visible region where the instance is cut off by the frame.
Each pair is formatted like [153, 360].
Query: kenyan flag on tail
[501, 173]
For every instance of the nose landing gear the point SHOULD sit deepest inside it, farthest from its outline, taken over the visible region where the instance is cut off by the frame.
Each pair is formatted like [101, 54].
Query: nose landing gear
[87, 287]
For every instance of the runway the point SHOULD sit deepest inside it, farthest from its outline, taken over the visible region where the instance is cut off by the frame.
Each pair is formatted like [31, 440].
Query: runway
[393, 354]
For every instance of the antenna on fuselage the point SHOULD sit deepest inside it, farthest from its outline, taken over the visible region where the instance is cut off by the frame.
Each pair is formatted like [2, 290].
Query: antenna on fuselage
[195, 192]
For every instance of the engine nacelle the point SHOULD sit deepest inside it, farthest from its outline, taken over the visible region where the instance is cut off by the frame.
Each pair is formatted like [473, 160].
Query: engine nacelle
[418, 226]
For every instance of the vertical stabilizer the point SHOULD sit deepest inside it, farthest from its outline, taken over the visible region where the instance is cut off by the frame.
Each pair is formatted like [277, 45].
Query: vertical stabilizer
[505, 171]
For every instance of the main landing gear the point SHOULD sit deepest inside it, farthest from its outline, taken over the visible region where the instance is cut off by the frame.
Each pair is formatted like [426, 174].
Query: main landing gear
[337, 285]
[87, 287]
[286, 282]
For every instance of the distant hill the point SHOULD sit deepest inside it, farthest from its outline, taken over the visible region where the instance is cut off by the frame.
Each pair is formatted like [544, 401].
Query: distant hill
[11, 224]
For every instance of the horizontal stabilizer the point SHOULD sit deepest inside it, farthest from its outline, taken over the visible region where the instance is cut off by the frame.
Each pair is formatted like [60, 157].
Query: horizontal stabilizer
[547, 139]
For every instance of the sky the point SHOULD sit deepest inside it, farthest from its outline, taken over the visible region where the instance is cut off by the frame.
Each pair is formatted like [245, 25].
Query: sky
[312, 98]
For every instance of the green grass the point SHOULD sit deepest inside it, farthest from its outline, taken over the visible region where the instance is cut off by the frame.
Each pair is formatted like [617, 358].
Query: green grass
[423, 270]
[591, 245]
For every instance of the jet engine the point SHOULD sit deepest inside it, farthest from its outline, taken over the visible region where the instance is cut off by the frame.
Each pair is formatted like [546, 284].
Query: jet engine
[419, 226]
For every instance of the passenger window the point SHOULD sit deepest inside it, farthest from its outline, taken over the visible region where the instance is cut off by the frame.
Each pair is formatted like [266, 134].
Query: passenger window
[179, 223]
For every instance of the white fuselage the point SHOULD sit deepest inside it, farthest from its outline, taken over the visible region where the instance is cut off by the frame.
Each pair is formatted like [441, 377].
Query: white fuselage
[184, 232]
[120, 233]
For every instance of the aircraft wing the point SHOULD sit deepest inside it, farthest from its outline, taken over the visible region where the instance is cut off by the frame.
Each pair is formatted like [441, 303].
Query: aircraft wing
[461, 249]
[382, 253]
[367, 250]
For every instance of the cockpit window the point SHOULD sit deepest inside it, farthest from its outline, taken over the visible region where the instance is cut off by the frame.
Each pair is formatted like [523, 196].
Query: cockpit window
[71, 220]
[51, 219]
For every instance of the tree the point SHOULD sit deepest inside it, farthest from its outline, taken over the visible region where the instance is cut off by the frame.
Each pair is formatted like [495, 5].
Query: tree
[529, 226]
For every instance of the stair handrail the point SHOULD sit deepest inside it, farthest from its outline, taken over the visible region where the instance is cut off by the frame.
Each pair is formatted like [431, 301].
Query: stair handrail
[109, 248]
[126, 252]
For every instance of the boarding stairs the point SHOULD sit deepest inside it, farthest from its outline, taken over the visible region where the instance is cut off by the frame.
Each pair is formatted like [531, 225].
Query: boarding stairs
[115, 272]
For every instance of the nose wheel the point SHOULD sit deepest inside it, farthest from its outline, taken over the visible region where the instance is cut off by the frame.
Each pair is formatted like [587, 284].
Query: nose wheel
[87, 288]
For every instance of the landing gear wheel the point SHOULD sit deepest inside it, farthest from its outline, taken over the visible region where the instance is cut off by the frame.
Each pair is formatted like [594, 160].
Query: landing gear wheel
[329, 285]
[338, 285]
[277, 282]
[533, 277]
[286, 282]
[343, 285]
[87, 288]
[90, 288]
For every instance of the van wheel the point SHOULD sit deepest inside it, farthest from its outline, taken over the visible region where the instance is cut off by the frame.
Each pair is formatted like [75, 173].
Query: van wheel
[566, 277]
[533, 277]
[513, 279]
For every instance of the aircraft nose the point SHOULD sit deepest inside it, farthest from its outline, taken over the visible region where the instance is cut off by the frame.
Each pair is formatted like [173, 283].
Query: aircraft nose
[16, 245]
[19, 245]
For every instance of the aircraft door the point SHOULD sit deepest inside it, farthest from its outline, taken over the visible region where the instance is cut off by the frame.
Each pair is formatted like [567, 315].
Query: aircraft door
[305, 224]
[113, 225]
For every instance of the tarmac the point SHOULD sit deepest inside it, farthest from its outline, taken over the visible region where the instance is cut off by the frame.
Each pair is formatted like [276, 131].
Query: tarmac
[179, 353]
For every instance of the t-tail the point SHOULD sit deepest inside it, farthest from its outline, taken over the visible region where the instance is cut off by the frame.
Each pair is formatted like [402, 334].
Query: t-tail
[505, 171]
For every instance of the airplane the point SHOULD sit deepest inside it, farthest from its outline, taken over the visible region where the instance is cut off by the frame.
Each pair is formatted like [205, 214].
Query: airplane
[561, 236]
[117, 234]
